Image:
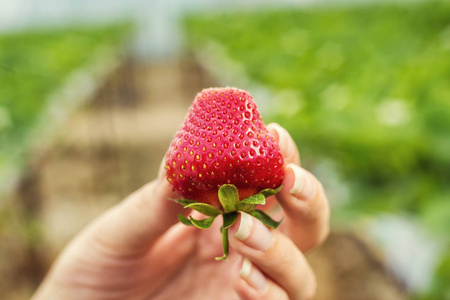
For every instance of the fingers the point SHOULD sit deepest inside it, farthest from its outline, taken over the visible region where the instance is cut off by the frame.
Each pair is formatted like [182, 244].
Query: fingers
[251, 284]
[305, 206]
[278, 269]
[302, 198]
[287, 145]
[133, 225]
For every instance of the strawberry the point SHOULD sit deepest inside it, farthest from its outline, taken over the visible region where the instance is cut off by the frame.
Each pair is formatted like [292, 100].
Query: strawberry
[223, 159]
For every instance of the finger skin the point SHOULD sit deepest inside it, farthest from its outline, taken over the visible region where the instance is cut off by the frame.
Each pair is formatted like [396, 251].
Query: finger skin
[307, 218]
[306, 206]
[287, 145]
[133, 225]
[282, 262]
[246, 292]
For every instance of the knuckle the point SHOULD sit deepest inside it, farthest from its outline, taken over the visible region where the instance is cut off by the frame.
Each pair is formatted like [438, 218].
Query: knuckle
[275, 292]
[306, 290]
[318, 239]
[311, 288]
[324, 234]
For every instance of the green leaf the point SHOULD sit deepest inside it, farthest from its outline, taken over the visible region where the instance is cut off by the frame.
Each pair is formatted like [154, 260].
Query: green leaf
[204, 223]
[184, 220]
[229, 197]
[229, 219]
[224, 244]
[255, 199]
[246, 207]
[184, 202]
[264, 218]
[205, 209]
[270, 192]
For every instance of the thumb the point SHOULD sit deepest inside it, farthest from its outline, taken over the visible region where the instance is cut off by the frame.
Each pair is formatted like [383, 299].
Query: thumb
[131, 227]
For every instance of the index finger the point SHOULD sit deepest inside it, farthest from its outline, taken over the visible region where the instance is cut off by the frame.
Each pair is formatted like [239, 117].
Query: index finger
[287, 145]
[302, 197]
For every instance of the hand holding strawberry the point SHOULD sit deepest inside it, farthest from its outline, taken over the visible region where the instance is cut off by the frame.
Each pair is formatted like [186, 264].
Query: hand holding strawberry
[138, 250]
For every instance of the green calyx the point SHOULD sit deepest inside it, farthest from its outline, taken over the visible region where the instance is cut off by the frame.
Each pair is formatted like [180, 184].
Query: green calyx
[229, 199]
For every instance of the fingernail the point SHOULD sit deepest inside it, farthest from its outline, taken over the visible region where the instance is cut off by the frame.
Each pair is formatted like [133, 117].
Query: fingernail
[245, 227]
[252, 276]
[303, 188]
[253, 233]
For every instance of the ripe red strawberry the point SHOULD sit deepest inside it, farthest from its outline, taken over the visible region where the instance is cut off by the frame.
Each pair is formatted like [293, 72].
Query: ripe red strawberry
[223, 160]
[223, 141]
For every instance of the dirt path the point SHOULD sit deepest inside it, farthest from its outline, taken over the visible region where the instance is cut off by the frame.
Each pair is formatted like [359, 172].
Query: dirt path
[114, 145]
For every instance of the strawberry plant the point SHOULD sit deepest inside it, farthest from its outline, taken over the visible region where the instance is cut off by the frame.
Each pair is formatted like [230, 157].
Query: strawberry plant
[223, 160]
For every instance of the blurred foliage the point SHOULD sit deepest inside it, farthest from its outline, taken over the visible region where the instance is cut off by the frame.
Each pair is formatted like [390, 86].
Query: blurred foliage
[365, 86]
[35, 63]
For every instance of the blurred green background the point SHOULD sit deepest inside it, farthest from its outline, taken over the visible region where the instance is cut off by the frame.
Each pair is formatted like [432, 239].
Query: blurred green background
[33, 65]
[365, 88]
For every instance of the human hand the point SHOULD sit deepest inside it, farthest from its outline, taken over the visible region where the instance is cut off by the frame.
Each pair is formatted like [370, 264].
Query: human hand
[137, 250]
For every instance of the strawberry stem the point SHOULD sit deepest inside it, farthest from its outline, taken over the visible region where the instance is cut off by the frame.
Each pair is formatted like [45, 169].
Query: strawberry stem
[224, 244]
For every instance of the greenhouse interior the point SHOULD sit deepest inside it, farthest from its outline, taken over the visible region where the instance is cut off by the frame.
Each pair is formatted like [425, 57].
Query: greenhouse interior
[93, 92]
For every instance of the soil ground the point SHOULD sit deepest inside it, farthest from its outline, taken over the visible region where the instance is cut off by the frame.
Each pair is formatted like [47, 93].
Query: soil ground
[97, 159]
